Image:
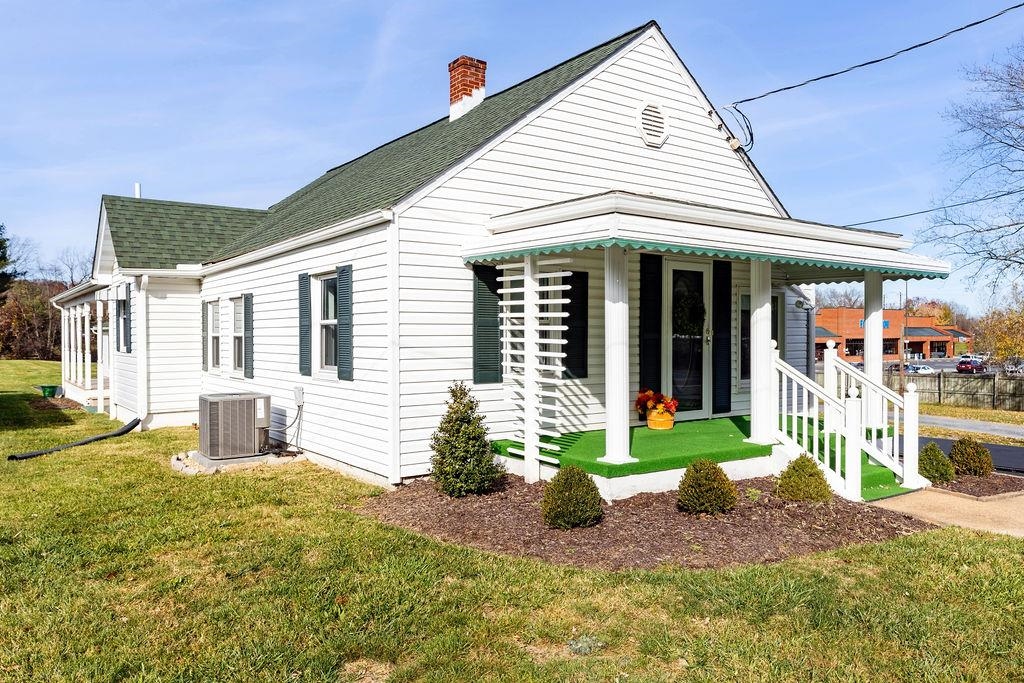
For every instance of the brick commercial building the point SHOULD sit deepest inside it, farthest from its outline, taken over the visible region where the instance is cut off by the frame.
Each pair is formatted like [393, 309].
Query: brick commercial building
[924, 337]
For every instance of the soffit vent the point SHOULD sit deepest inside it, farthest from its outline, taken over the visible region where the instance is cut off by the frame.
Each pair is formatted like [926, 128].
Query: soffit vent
[652, 124]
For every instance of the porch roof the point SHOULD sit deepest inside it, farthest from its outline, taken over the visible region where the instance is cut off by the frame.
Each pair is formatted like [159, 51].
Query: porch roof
[808, 252]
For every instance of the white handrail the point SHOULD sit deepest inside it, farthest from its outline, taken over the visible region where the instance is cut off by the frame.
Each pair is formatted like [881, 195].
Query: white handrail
[845, 367]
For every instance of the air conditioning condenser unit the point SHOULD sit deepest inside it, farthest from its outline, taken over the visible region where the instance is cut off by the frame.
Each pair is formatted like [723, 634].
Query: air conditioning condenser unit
[233, 425]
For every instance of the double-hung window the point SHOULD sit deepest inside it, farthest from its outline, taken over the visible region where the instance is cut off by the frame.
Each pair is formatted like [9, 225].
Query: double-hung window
[214, 334]
[237, 330]
[329, 322]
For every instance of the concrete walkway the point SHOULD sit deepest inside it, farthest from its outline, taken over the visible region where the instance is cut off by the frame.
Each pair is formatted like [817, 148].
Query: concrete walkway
[996, 428]
[1003, 514]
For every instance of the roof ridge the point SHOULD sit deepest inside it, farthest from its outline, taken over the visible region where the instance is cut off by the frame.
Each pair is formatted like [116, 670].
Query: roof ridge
[178, 203]
[442, 119]
[392, 171]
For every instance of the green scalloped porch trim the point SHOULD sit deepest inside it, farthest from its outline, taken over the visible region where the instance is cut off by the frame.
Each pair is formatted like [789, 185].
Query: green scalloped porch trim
[700, 251]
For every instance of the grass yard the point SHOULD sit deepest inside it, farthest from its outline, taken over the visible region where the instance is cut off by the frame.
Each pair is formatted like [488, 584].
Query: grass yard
[1013, 417]
[112, 567]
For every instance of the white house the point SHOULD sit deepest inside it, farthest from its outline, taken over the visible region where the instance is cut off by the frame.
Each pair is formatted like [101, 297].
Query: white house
[558, 245]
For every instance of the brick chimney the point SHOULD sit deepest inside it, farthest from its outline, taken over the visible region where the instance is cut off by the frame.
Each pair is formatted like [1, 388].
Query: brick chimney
[466, 85]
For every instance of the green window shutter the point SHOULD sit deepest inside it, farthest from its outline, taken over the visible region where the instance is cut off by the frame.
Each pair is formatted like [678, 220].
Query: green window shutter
[206, 335]
[247, 335]
[344, 335]
[486, 332]
[721, 340]
[576, 336]
[117, 324]
[650, 321]
[128, 319]
[305, 327]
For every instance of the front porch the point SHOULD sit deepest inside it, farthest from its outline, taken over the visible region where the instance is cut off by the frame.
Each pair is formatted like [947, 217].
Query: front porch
[716, 328]
[721, 440]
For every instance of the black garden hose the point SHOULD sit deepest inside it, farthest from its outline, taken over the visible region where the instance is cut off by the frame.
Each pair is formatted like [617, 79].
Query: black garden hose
[92, 439]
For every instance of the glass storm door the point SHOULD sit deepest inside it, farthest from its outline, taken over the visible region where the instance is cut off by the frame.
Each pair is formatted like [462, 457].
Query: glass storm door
[686, 338]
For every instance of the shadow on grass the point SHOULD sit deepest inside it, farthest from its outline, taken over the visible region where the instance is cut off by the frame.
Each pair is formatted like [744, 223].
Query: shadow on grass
[21, 410]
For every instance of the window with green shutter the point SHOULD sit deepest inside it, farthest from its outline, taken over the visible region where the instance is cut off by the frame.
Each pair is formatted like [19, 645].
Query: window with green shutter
[205, 317]
[247, 335]
[343, 277]
[578, 322]
[305, 327]
[486, 332]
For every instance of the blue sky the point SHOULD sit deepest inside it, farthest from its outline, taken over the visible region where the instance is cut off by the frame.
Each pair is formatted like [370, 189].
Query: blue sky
[241, 103]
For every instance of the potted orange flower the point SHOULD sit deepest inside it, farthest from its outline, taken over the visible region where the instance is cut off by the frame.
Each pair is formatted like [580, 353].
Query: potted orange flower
[659, 409]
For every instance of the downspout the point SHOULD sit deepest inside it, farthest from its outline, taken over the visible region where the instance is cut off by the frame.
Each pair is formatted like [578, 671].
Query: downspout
[142, 358]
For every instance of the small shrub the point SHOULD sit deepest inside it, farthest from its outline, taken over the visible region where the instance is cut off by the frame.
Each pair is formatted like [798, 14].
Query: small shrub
[970, 457]
[753, 495]
[934, 465]
[463, 462]
[803, 480]
[705, 489]
[571, 500]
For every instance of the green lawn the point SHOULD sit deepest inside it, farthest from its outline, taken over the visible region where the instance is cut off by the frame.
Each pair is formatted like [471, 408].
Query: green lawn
[112, 567]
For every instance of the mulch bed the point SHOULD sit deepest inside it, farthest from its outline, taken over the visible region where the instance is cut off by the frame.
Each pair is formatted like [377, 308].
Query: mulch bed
[641, 532]
[56, 403]
[991, 485]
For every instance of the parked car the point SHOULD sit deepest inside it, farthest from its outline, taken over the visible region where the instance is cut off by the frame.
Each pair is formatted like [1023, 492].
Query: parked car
[1014, 367]
[895, 367]
[921, 370]
[972, 356]
[971, 367]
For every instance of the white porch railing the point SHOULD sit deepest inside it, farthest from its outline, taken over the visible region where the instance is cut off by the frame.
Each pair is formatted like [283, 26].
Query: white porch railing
[884, 415]
[821, 425]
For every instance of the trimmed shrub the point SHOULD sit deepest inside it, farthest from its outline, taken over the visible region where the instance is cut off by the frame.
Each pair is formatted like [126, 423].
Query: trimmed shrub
[934, 465]
[463, 461]
[571, 500]
[970, 457]
[704, 488]
[803, 480]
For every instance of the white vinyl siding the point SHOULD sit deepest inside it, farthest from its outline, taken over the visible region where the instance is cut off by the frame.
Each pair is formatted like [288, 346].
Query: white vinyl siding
[347, 422]
[174, 347]
[125, 368]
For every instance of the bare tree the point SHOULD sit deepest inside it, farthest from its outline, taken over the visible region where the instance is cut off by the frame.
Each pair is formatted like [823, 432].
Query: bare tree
[72, 267]
[839, 297]
[987, 237]
[8, 274]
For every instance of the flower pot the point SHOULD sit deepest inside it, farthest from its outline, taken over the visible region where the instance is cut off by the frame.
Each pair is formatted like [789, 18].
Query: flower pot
[660, 421]
[49, 390]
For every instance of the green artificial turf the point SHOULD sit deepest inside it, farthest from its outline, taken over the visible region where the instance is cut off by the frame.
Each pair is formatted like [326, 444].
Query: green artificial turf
[720, 440]
[115, 568]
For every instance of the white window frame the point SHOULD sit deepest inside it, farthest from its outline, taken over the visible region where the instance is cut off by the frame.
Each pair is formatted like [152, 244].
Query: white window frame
[321, 323]
[214, 334]
[237, 309]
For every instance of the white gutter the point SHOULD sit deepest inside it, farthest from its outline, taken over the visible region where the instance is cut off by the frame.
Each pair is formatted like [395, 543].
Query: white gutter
[78, 290]
[669, 209]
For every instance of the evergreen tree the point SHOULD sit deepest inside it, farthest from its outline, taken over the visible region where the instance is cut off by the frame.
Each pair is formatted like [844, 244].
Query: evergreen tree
[463, 461]
[7, 272]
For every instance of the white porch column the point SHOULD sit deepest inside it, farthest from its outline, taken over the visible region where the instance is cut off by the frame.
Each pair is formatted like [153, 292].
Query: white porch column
[616, 356]
[763, 418]
[87, 328]
[101, 365]
[63, 346]
[77, 341]
[873, 330]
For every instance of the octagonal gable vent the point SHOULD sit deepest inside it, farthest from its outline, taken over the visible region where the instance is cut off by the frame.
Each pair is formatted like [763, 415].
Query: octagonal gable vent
[652, 124]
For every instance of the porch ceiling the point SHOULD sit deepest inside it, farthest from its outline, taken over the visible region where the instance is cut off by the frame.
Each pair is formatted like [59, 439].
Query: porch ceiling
[806, 252]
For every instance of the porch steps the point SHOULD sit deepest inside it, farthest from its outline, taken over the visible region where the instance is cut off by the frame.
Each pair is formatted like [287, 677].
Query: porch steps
[878, 482]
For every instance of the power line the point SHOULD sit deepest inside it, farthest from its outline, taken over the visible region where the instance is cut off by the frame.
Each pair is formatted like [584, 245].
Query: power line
[880, 59]
[937, 208]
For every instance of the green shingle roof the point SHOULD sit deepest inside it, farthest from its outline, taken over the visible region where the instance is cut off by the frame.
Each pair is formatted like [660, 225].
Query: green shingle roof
[152, 233]
[389, 173]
